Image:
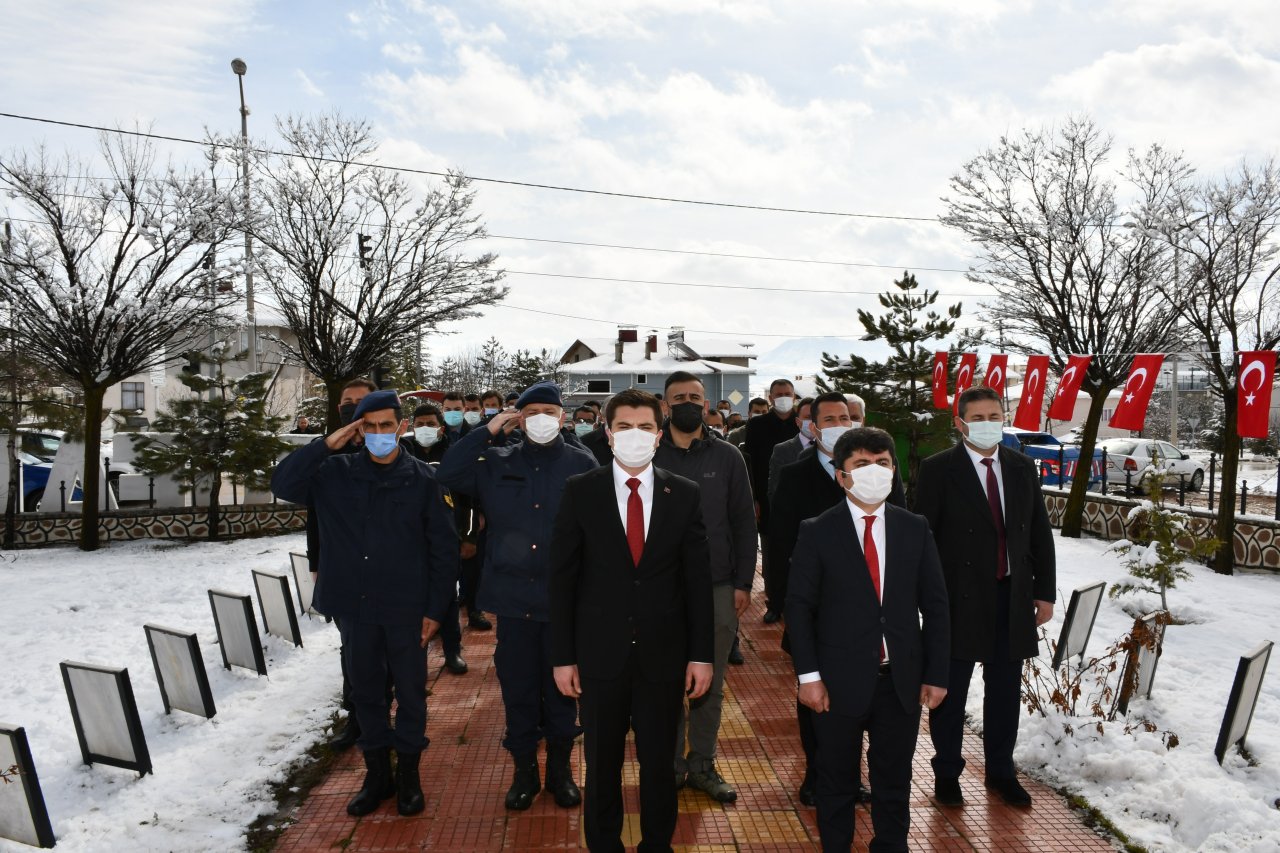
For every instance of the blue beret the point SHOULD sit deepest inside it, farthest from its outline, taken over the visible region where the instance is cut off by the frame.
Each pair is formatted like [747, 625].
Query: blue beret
[376, 401]
[540, 392]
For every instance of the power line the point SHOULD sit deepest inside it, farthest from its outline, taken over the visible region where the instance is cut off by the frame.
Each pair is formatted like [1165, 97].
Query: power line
[500, 181]
[654, 325]
[716, 286]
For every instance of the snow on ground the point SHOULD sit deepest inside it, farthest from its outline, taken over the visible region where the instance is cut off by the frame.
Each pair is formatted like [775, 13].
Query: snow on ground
[211, 777]
[1179, 799]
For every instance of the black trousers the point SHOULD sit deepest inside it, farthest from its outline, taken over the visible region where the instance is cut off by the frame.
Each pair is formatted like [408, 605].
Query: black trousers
[451, 630]
[1001, 706]
[809, 741]
[892, 732]
[373, 653]
[471, 575]
[611, 707]
[348, 704]
[535, 707]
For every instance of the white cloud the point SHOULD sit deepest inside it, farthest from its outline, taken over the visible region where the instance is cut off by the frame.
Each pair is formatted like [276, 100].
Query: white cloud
[627, 18]
[1208, 83]
[308, 86]
[406, 53]
[452, 31]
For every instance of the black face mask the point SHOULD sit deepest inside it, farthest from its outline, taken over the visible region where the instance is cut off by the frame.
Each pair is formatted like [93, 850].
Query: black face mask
[686, 417]
[347, 412]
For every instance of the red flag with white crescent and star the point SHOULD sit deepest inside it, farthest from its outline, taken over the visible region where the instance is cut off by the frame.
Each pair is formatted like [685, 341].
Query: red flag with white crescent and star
[1135, 396]
[1256, 372]
[1031, 403]
[964, 375]
[940, 399]
[1063, 407]
[996, 367]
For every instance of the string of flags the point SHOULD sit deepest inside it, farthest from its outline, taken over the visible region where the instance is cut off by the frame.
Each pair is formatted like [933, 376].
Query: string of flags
[1255, 371]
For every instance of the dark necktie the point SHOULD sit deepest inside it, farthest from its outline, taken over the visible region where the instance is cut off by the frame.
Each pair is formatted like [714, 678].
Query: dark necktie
[635, 521]
[993, 498]
[872, 556]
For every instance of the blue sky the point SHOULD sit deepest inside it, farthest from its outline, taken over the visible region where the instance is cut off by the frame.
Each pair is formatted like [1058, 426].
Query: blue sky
[848, 106]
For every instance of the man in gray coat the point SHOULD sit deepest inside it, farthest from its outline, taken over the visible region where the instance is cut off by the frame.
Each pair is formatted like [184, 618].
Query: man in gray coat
[691, 450]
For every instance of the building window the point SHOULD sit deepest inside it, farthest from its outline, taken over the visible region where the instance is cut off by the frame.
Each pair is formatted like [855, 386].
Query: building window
[1106, 415]
[598, 386]
[132, 395]
[642, 379]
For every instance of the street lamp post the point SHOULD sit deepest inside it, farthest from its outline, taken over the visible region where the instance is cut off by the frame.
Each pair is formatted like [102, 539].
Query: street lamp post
[238, 66]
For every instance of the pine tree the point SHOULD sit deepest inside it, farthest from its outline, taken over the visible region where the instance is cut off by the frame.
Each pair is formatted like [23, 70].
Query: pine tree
[897, 390]
[222, 428]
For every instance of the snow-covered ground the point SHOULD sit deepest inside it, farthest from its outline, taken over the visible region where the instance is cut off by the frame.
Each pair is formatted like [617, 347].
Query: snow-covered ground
[1179, 799]
[211, 777]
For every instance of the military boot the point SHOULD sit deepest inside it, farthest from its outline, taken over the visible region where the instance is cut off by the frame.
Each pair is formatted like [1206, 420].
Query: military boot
[560, 775]
[525, 784]
[408, 786]
[378, 782]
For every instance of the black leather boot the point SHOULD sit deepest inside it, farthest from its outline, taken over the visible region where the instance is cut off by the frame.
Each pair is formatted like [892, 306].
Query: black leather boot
[560, 775]
[408, 786]
[348, 736]
[378, 782]
[525, 784]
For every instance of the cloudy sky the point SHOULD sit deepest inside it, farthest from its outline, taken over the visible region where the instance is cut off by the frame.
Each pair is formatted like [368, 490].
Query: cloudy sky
[857, 108]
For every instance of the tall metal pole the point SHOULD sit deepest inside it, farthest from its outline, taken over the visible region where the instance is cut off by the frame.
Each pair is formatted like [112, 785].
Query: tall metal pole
[1173, 364]
[239, 67]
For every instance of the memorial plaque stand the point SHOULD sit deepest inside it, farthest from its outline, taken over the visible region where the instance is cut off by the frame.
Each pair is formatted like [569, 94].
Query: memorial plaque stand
[237, 631]
[1243, 700]
[106, 716]
[23, 816]
[180, 672]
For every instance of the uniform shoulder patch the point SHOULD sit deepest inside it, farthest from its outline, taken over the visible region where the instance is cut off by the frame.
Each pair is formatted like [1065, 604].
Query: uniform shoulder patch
[448, 499]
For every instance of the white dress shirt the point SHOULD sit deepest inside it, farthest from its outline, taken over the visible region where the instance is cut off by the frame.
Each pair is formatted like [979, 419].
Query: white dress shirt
[877, 536]
[623, 493]
[977, 458]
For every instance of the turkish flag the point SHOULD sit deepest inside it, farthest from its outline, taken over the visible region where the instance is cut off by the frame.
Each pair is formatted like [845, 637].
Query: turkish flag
[1063, 407]
[1256, 372]
[940, 399]
[1031, 403]
[1135, 396]
[964, 376]
[995, 373]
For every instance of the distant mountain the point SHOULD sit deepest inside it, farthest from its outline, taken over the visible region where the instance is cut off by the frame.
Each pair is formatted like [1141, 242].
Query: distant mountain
[803, 357]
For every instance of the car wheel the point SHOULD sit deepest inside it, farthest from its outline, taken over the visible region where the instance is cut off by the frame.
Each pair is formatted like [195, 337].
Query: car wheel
[31, 502]
[1197, 480]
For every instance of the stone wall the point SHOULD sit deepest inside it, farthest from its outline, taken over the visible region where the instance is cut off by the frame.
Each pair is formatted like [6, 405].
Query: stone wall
[47, 528]
[1257, 540]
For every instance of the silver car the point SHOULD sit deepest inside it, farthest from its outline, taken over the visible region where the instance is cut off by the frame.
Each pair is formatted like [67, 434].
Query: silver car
[1140, 456]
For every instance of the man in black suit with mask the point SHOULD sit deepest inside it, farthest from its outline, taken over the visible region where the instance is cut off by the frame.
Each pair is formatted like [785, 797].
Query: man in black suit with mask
[988, 518]
[631, 619]
[868, 620]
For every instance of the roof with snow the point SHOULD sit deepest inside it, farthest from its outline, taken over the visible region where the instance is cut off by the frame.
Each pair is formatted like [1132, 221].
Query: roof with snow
[634, 361]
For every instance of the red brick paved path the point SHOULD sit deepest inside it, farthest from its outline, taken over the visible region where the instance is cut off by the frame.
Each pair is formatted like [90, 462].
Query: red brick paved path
[466, 773]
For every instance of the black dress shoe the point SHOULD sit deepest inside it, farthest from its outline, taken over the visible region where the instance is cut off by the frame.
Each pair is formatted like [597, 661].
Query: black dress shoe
[772, 616]
[735, 655]
[347, 737]
[1011, 791]
[476, 621]
[946, 792]
[455, 664]
[806, 791]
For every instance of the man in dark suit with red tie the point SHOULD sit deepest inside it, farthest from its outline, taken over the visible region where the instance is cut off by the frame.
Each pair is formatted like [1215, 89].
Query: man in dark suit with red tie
[631, 618]
[988, 518]
[869, 627]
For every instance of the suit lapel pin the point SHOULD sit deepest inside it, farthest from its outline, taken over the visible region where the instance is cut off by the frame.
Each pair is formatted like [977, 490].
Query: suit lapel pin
[666, 490]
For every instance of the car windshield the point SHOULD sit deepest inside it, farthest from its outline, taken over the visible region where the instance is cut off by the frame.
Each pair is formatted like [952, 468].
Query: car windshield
[40, 444]
[1124, 448]
[1037, 438]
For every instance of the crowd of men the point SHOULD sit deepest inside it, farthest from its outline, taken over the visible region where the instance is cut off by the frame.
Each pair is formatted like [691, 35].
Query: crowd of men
[616, 547]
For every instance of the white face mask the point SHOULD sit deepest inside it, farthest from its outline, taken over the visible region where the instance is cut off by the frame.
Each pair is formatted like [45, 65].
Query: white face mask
[871, 483]
[426, 435]
[804, 427]
[985, 435]
[542, 429]
[827, 436]
[634, 447]
[856, 425]
[784, 404]
[471, 418]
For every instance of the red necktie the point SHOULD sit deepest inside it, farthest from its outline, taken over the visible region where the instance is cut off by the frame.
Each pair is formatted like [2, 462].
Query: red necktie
[872, 556]
[635, 521]
[997, 515]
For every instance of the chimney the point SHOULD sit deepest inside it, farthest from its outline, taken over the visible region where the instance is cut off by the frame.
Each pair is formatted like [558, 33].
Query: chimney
[627, 335]
[617, 349]
[650, 346]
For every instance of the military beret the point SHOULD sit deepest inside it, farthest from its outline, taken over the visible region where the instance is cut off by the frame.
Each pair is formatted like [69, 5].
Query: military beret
[540, 392]
[377, 401]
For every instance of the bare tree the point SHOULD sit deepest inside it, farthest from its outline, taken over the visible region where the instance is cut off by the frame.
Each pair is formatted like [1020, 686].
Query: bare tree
[109, 275]
[1068, 277]
[1223, 231]
[354, 261]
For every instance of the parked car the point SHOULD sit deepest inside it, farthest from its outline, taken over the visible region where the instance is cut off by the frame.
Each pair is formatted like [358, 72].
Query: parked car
[1049, 453]
[1140, 456]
